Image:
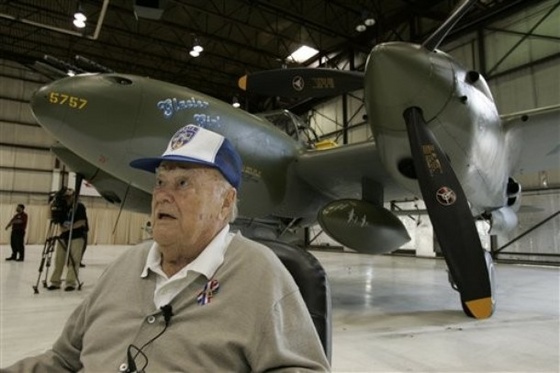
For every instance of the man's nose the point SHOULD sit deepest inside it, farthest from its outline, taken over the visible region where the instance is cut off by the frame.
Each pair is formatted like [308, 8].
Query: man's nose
[162, 194]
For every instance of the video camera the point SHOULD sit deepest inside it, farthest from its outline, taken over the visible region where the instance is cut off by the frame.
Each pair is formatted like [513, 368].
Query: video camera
[58, 205]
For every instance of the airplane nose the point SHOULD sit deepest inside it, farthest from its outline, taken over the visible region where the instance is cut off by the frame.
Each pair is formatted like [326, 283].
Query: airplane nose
[45, 110]
[401, 75]
[90, 106]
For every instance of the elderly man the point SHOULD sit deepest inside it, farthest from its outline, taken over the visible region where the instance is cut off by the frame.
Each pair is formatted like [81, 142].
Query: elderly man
[199, 298]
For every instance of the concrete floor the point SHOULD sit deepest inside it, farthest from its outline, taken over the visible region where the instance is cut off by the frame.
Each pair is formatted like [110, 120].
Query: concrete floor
[390, 314]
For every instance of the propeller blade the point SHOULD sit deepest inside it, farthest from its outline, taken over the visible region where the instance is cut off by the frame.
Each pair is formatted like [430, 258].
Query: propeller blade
[302, 82]
[434, 40]
[451, 218]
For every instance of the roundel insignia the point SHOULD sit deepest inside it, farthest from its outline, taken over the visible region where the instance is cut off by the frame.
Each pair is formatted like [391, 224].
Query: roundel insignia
[183, 136]
[298, 83]
[446, 196]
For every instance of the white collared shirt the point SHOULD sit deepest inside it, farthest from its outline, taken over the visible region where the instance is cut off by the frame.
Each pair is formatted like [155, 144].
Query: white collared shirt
[206, 264]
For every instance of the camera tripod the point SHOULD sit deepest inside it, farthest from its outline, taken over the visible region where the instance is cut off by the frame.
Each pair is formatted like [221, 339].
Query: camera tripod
[46, 256]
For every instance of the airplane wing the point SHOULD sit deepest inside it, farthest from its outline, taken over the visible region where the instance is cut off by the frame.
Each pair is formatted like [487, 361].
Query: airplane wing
[536, 135]
[357, 184]
[340, 171]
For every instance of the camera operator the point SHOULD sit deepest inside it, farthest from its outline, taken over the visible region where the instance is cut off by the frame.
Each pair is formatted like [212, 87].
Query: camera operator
[77, 231]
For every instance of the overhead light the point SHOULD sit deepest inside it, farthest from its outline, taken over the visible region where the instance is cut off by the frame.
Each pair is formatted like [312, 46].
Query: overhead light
[79, 24]
[303, 53]
[198, 48]
[235, 103]
[369, 22]
[79, 17]
[361, 28]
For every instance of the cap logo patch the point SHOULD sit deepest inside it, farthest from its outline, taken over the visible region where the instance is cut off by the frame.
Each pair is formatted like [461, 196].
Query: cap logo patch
[183, 136]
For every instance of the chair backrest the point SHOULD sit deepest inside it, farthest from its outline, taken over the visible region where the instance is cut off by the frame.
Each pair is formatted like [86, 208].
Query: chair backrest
[313, 284]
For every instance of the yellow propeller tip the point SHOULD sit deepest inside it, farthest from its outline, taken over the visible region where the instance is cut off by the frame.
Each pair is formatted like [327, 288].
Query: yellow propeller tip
[481, 308]
[242, 83]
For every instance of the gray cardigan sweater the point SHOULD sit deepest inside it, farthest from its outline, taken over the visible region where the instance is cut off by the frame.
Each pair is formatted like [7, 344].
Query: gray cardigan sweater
[257, 321]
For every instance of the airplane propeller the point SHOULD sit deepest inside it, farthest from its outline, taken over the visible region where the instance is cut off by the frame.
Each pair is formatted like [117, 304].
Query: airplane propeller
[451, 219]
[302, 82]
[446, 202]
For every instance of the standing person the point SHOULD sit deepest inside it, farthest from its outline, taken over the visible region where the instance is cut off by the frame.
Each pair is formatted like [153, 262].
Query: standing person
[86, 230]
[17, 242]
[77, 230]
[198, 298]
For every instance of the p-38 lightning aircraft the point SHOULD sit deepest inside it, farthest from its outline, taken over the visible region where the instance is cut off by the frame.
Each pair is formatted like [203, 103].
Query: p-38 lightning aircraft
[438, 135]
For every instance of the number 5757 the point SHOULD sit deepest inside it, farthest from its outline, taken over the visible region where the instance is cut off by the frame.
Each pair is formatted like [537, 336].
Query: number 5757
[64, 99]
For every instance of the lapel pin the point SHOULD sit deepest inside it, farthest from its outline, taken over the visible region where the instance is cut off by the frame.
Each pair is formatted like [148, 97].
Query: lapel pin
[205, 296]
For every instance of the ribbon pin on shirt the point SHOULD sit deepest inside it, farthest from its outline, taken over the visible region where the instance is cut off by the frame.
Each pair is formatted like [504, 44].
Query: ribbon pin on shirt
[206, 295]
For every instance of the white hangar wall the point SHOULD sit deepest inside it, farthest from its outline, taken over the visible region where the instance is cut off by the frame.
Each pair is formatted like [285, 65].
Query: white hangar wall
[520, 57]
[29, 171]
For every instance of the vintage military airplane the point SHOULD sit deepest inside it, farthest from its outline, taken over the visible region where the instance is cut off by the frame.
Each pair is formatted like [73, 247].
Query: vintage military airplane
[437, 134]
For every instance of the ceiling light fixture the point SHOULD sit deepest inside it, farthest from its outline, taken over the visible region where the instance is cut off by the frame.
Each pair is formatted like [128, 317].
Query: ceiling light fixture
[369, 21]
[361, 28]
[235, 103]
[79, 17]
[303, 53]
[366, 21]
[197, 48]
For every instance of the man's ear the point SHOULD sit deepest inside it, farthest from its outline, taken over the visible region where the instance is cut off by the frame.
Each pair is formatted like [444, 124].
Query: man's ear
[229, 201]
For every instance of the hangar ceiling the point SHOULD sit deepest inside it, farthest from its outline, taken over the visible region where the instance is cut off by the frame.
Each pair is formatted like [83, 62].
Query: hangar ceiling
[153, 38]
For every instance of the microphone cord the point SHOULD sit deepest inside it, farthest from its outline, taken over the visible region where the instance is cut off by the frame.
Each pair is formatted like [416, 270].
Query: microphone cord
[167, 313]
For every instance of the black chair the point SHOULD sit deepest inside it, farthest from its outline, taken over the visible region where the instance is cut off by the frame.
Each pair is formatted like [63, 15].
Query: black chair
[313, 284]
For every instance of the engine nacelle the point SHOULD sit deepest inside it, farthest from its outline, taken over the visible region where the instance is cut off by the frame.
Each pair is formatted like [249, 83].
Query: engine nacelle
[363, 226]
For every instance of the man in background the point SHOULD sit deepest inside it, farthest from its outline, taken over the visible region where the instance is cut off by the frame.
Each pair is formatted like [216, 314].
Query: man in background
[18, 224]
[72, 234]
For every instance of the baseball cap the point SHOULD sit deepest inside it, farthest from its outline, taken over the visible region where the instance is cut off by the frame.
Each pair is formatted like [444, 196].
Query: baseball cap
[193, 144]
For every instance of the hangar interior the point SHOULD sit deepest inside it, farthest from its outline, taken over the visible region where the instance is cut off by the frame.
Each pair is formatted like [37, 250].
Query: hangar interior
[514, 44]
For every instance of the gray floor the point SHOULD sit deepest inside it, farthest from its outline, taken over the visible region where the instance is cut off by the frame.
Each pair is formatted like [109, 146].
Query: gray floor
[390, 314]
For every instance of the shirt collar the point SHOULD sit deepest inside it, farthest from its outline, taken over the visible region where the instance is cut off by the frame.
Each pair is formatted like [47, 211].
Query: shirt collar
[206, 263]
